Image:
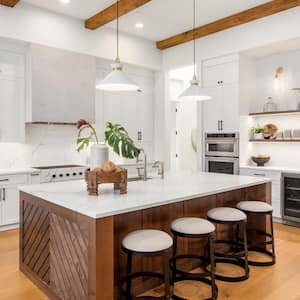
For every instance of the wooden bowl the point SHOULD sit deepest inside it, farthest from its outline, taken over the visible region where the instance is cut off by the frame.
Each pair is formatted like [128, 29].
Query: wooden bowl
[260, 161]
[270, 132]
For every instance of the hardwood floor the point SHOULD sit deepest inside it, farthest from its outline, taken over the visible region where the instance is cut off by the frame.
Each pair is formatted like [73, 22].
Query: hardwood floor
[279, 282]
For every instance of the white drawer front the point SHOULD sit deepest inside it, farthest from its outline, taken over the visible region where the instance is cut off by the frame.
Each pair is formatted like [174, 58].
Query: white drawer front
[276, 175]
[13, 180]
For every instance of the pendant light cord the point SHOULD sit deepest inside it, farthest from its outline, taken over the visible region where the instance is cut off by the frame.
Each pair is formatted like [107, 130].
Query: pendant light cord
[194, 40]
[117, 29]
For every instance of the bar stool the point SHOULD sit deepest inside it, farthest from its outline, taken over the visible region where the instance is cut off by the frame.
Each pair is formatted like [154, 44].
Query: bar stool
[194, 228]
[258, 208]
[148, 243]
[234, 217]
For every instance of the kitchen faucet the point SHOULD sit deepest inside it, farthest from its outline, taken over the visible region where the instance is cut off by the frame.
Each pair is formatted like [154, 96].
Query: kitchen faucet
[161, 165]
[138, 160]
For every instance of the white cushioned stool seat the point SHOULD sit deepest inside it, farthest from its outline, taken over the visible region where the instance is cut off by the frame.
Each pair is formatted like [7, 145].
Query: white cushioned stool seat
[226, 214]
[192, 226]
[147, 240]
[255, 206]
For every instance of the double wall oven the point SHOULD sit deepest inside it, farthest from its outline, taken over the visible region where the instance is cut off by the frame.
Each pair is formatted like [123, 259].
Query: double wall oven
[222, 153]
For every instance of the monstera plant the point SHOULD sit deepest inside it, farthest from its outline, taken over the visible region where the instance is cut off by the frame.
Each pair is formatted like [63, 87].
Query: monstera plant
[117, 137]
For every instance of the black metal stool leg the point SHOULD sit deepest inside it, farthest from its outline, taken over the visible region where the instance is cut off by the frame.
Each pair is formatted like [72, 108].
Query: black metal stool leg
[273, 239]
[212, 266]
[128, 278]
[237, 236]
[174, 254]
[167, 276]
[245, 248]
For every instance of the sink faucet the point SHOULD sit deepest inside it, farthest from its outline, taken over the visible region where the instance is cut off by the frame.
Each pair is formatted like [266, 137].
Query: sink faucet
[138, 160]
[161, 166]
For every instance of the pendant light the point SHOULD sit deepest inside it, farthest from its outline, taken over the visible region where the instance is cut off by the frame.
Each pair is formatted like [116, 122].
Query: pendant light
[194, 92]
[117, 80]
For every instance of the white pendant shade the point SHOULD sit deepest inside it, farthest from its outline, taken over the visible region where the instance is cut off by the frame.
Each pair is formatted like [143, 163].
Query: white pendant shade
[194, 93]
[117, 81]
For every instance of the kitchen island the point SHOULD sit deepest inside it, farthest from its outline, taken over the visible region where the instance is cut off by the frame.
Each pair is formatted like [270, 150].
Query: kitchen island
[70, 243]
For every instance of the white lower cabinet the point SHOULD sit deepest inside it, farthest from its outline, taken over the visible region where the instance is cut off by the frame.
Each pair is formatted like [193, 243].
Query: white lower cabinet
[9, 198]
[276, 186]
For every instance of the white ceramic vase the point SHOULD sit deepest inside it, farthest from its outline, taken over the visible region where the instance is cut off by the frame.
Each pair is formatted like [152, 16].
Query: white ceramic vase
[258, 136]
[98, 154]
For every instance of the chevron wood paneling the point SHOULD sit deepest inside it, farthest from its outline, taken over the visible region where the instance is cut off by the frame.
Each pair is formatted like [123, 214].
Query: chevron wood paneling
[69, 259]
[36, 241]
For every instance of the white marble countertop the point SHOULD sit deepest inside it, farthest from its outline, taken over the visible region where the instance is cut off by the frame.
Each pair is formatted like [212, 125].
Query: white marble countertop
[175, 187]
[12, 171]
[272, 168]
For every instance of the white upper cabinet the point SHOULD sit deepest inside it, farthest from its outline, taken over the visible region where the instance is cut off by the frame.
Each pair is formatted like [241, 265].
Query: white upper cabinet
[220, 72]
[12, 96]
[63, 85]
[221, 82]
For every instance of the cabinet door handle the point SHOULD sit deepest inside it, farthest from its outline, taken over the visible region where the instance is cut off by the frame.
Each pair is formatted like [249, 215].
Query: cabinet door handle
[4, 195]
[222, 125]
[3, 180]
[258, 174]
[0, 195]
[218, 124]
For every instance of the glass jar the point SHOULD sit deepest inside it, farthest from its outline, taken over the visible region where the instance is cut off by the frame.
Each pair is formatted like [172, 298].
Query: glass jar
[270, 105]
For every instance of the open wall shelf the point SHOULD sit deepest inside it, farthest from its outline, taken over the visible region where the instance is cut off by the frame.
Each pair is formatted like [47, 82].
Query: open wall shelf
[275, 141]
[276, 113]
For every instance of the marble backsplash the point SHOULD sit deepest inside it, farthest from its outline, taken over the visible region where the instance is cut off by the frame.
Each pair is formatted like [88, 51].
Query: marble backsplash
[47, 145]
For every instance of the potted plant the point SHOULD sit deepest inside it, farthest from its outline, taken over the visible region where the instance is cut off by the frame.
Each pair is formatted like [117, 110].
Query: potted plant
[98, 151]
[118, 139]
[258, 132]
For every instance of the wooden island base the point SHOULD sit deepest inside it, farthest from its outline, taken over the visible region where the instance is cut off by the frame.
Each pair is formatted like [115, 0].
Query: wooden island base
[71, 256]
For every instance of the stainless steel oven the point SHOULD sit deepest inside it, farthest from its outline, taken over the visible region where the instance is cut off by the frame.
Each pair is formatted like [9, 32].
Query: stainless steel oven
[222, 144]
[222, 153]
[224, 165]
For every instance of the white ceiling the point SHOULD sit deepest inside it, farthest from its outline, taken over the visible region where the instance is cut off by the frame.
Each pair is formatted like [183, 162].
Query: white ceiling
[162, 18]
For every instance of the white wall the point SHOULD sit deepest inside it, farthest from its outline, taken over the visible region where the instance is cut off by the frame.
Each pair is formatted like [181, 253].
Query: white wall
[282, 154]
[35, 25]
[278, 27]
[283, 96]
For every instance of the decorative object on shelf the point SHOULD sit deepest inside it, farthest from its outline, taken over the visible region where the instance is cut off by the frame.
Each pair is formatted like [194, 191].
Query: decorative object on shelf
[287, 134]
[117, 80]
[194, 91]
[117, 137]
[270, 105]
[279, 71]
[270, 132]
[258, 132]
[108, 173]
[297, 90]
[261, 159]
[296, 134]
[98, 151]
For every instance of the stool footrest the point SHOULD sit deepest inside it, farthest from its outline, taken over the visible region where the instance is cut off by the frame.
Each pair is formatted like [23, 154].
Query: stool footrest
[204, 280]
[237, 262]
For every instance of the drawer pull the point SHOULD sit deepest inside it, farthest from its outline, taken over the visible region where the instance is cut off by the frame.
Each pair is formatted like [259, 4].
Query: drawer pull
[257, 174]
[4, 180]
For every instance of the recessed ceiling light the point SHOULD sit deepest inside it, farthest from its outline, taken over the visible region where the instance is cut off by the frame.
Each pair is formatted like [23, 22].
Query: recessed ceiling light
[139, 25]
[65, 1]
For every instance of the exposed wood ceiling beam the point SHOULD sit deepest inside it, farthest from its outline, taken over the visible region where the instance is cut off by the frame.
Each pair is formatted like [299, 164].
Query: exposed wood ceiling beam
[10, 3]
[110, 14]
[243, 17]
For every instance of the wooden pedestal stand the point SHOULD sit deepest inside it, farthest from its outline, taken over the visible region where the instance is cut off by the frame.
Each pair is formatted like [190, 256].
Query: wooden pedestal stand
[98, 176]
